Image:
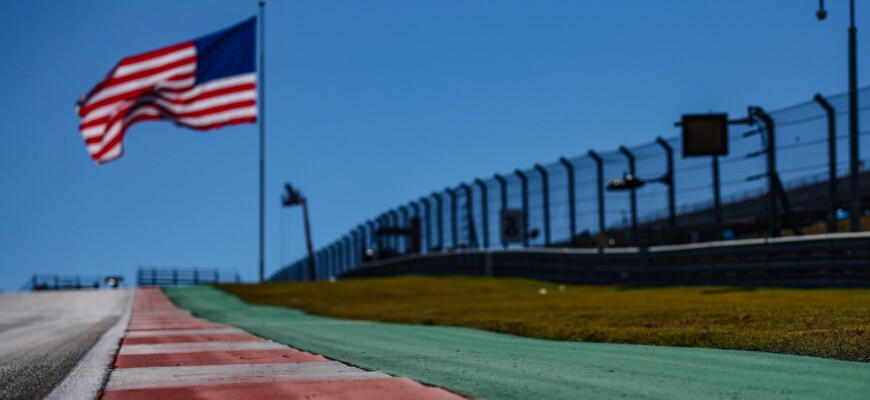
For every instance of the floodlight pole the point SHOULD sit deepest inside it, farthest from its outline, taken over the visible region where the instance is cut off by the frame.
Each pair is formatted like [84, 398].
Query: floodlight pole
[524, 186]
[632, 194]
[484, 211]
[572, 208]
[854, 160]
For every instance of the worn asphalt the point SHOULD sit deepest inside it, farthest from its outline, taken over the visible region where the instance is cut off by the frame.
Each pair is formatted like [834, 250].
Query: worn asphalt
[43, 335]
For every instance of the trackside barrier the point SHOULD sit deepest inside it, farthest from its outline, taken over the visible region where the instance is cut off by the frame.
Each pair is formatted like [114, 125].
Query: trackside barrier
[184, 276]
[832, 260]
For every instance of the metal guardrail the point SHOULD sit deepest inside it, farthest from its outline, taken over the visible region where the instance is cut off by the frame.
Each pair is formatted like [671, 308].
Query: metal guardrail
[566, 202]
[831, 260]
[61, 282]
[184, 276]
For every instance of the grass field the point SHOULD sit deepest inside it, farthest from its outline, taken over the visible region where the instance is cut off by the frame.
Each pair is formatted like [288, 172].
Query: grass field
[832, 323]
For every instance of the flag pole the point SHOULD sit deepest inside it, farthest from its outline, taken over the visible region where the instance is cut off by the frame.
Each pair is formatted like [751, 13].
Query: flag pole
[262, 118]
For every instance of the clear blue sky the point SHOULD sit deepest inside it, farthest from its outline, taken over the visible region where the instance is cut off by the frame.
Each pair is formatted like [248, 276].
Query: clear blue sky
[369, 104]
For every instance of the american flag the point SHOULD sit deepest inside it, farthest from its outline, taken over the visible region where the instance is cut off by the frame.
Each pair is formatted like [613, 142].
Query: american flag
[202, 84]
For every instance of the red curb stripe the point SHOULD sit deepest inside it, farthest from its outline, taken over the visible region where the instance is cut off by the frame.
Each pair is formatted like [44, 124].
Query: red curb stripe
[226, 337]
[363, 389]
[287, 355]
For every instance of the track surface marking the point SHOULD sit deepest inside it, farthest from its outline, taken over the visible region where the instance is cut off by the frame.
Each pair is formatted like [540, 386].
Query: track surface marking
[43, 335]
[170, 354]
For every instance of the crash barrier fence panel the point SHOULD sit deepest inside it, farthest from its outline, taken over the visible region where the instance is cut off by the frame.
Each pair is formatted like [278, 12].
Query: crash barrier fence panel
[799, 158]
[834, 260]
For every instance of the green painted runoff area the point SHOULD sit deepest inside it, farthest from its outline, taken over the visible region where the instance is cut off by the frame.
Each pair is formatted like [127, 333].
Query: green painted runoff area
[496, 366]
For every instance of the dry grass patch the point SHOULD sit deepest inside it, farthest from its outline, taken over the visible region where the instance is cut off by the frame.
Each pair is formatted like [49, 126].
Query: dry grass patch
[832, 323]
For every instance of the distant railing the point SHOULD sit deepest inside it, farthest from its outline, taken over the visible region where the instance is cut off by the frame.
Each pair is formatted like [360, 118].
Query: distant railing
[566, 203]
[832, 260]
[62, 282]
[148, 276]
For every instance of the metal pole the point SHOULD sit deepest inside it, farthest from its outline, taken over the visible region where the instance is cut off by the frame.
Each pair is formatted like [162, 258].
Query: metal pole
[439, 209]
[632, 195]
[502, 182]
[416, 235]
[524, 185]
[717, 196]
[394, 215]
[406, 224]
[832, 161]
[669, 180]
[545, 183]
[262, 118]
[469, 217]
[854, 160]
[312, 268]
[373, 233]
[572, 207]
[427, 211]
[599, 177]
[454, 230]
[771, 167]
[484, 211]
[348, 253]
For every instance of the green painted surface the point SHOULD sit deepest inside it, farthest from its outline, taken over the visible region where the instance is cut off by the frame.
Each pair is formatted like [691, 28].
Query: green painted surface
[495, 366]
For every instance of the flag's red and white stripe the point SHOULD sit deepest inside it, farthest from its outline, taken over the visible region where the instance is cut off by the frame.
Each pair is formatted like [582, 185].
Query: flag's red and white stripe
[161, 85]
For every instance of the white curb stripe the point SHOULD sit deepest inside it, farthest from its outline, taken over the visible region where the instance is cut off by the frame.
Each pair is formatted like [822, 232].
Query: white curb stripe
[162, 348]
[183, 332]
[158, 377]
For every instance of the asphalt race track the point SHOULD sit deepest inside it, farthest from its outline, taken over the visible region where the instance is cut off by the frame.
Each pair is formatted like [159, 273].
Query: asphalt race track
[43, 335]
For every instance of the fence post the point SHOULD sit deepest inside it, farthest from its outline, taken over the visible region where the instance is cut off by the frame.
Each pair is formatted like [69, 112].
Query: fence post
[407, 225]
[454, 230]
[771, 167]
[599, 177]
[502, 182]
[416, 207]
[395, 238]
[632, 194]
[572, 208]
[469, 211]
[832, 161]
[439, 209]
[370, 239]
[427, 211]
[524, 185]
[669, 180]
[348, 253]
[545, 183]
[484, 211]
